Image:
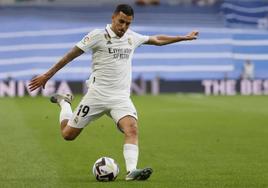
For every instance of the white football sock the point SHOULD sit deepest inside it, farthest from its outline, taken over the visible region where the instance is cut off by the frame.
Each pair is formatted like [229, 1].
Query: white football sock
[131, 153]
[66, 110]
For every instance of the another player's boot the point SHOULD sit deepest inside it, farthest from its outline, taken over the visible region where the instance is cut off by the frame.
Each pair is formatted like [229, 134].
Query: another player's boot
[56, 98]
[139, 174]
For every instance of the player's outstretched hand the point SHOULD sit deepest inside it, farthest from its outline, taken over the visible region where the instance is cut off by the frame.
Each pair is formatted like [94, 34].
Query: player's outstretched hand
[192, 35]
[39, 81]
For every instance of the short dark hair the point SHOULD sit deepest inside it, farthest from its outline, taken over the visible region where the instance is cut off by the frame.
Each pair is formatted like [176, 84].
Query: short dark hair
[125, 8]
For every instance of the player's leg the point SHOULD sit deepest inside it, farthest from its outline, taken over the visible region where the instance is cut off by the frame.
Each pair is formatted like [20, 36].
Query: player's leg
[72, 123]
[67, 132]
[124, 114]
[129, 126]
[64, 101]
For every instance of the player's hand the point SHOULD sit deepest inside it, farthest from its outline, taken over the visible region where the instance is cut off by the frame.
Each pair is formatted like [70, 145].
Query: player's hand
[39, 81]
[192, 35]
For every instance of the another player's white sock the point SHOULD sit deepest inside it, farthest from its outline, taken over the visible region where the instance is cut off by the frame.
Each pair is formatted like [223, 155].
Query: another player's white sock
[66, 110]
[131, 153]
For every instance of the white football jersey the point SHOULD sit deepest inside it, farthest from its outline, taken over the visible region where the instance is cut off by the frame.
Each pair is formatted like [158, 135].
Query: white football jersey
[111, 60]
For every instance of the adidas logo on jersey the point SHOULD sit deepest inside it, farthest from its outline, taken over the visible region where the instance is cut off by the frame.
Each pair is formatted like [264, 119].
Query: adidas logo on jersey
[108, 38]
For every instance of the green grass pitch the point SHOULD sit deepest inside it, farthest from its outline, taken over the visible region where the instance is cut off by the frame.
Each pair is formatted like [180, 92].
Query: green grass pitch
[191, 141]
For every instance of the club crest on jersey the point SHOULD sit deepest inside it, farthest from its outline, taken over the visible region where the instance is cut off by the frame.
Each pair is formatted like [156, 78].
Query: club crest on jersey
[108, 38]
[129, 41]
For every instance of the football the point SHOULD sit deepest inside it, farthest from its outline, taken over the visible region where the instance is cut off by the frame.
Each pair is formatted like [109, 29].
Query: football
[105, 169]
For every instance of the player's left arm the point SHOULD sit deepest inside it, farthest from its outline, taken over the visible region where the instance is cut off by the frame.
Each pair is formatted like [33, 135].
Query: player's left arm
[160, 40]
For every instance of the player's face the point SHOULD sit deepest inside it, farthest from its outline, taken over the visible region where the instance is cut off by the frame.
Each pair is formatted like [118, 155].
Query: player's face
[121, 23]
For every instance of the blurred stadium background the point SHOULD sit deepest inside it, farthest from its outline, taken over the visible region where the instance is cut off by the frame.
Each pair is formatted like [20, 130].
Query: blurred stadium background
[193, 141]
[34, 34]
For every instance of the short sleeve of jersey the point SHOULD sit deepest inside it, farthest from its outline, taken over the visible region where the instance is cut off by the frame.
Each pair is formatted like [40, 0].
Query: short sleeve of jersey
[89, 41]
[139, 39]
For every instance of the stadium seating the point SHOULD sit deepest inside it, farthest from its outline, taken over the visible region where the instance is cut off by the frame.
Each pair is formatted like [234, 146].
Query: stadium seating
[242, 13]
[33, 38]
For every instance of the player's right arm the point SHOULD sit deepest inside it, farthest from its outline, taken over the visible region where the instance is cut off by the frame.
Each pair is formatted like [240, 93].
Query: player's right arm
[41, 80]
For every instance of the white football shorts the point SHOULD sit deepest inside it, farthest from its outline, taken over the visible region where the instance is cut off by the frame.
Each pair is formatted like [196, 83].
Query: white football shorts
[90, 109]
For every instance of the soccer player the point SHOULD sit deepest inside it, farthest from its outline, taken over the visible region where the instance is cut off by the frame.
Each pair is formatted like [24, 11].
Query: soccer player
[109, 83]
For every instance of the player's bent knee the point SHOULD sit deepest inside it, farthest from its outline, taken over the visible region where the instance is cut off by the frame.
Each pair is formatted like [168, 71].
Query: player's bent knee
[131, 130]
[70, 133]
[129, 126]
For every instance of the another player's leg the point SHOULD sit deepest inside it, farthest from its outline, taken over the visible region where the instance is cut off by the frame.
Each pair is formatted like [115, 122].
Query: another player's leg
[64, 101]
[129, 126]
